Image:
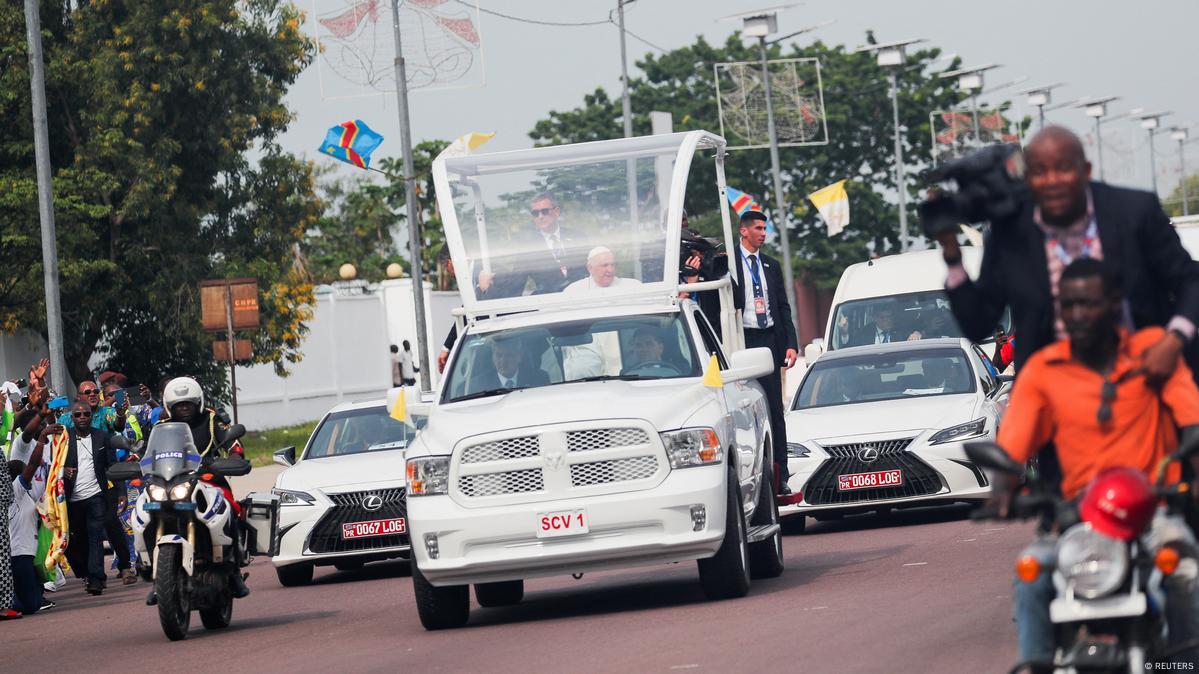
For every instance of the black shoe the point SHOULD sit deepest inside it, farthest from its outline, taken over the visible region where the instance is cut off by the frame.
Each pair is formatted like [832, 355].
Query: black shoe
[152, 598]
[237, 585]
[94, 588]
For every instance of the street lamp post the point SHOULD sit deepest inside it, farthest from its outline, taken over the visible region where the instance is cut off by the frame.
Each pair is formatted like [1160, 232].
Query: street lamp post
[892, 56]
[1150, 121]
[1180, 134]
[1096, 109]
[971, 79]
[1039, 97]
[626, 109]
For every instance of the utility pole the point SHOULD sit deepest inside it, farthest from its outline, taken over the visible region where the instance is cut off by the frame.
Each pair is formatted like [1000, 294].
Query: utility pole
[414, 243]
[626, 111]
[775, 167]
[1180, 134]
[45, 197]
[901, 182]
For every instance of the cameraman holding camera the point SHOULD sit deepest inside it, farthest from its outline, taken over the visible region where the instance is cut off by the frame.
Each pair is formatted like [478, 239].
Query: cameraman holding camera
[1038, 226]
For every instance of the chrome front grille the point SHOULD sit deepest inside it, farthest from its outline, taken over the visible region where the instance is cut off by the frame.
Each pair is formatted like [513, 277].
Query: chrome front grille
[617, 470]
[501, 450]
[603, 438]
[884, 448]
[354, 498]
[496, 484]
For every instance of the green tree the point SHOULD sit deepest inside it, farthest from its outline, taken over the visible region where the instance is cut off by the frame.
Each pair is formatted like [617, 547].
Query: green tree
[1173, 203]
[858, 110]
[152, 109]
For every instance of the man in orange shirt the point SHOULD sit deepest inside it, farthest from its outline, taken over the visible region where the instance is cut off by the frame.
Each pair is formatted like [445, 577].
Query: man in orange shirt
[1087, 394]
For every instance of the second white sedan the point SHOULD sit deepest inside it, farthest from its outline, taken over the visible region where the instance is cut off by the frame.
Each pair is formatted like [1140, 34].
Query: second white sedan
[878, 427]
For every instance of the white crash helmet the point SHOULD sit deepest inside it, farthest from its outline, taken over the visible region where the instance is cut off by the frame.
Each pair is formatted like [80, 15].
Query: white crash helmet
[183, 390]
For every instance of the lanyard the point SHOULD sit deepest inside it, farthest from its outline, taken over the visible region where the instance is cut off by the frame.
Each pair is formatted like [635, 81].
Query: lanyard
[756, 274]
[1089, 238]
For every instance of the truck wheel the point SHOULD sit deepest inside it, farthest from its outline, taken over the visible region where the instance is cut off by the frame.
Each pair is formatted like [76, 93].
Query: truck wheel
[174, 609]
[766, 557]
[294, 575]
[726, 575]
[795, 525]
[504, 593]
[440, 608]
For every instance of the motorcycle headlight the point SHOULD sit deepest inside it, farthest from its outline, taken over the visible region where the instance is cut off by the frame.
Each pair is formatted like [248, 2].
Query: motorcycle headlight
[181, 491]
[157, 492]
[693, 447]
[428, 476]
[960, 432]
[1093, 563]
[289, 497]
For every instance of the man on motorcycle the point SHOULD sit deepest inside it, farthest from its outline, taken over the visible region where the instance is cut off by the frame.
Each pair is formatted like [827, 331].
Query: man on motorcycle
[184, 401]
[1088, 395]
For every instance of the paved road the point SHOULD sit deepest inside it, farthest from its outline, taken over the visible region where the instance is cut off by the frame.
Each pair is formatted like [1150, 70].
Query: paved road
[920, 591]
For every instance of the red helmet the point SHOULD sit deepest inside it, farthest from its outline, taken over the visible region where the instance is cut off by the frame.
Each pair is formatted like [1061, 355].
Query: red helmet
[1119, 503]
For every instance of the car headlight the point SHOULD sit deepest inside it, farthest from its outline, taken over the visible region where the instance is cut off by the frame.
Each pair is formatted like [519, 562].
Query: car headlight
[692, 447]
[289, 497]
[797, 451]
[960, 432]
[1093, 563]
[428, 476]
[181, 491]
[157, 492]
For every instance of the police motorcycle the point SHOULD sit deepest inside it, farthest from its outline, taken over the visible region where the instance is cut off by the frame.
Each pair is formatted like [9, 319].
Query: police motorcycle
[1109, 610]
[189, 530]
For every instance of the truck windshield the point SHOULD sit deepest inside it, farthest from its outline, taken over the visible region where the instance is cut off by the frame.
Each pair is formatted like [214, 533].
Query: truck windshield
[896, 318]
[651, 346]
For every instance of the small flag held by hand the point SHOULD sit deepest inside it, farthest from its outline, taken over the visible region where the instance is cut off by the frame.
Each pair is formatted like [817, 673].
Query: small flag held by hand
[352, 142]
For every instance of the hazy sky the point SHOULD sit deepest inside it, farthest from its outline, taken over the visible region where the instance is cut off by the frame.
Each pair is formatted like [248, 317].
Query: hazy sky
[1140, 51]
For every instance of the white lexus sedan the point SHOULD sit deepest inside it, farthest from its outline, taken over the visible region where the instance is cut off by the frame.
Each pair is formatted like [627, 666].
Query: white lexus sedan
[879, 427]
[342, 502]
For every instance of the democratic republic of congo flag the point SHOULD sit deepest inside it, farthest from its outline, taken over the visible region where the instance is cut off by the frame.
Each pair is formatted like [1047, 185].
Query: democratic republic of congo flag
[352, 142]
[742, 203]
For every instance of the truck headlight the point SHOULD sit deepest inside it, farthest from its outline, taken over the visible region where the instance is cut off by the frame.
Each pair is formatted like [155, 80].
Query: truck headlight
[692, 447]
[289, 497]
[428, 476]
[965, 431]
[1095, 564]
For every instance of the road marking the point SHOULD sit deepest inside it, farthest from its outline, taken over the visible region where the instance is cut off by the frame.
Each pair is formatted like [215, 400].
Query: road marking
[967, 540]
[993, 530]
[916, 564]
[691, 666]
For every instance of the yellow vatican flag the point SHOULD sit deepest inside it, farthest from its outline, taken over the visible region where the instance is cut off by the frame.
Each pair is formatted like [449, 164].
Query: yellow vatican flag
[399, 411]
[833, 204]
[712, 377]
[464, 145]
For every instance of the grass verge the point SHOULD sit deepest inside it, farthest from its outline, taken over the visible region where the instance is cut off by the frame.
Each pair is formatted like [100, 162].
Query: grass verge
[259, 445]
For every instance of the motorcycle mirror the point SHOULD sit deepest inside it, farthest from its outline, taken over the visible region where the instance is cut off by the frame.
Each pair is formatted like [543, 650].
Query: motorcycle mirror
[119, 442]
[234, 432]
[124, 471]
[990, 455]
[231, 466]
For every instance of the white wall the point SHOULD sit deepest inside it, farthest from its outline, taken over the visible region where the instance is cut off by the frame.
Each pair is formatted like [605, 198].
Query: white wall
[18, 351]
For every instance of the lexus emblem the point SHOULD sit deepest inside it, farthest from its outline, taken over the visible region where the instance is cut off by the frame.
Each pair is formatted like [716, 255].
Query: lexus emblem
[554, 461]
[868, 454]
[372, 502]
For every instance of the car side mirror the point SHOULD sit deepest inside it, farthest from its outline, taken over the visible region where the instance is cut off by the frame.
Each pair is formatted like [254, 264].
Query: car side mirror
[990, 455]
[285, 457]
[749, 364]
[813, 351]
[231, 466]
[1006, 379]
[124, 471]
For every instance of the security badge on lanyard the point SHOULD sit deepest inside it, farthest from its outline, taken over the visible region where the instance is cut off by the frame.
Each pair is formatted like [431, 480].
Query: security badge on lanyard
[756, 276]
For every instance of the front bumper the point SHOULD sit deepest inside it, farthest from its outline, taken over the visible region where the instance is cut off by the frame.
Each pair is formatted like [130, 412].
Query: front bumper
[304, 530]
[482, 545]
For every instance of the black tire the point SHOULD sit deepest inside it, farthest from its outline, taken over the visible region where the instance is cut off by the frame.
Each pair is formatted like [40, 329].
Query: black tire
[174, 609]
[440, 608]
[294, 575]
[217, 618]
[726, 574]
[795, 525]
[766, 557]
[349, 565]
[503, 593]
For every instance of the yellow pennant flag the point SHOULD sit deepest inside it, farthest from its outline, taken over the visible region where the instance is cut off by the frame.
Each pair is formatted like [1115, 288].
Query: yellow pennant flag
[833, 204]
[464, 145]
[399, 411]
[712, 377]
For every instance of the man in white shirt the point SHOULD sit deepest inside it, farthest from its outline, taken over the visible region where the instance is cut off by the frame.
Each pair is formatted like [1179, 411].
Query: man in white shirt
[601, 274]
[28, 484]
[85, 473]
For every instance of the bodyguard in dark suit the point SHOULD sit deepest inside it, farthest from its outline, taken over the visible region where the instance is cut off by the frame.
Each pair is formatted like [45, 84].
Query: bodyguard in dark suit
[85, 476]
[1070, 217]
[766, 320]
[551, 256]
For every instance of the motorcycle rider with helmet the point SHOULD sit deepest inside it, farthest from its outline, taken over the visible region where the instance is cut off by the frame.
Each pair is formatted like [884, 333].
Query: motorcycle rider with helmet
[1088, 395]
[184, 401]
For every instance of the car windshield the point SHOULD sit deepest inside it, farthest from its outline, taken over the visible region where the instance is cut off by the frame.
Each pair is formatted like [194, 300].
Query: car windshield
[896, 318]
[363, 430]
[885, 376]
[651, 346]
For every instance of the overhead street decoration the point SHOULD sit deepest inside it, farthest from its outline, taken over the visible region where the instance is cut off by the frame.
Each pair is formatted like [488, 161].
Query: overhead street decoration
[797, 94]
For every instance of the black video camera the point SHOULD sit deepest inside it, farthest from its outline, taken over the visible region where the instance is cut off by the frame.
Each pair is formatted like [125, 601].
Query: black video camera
[990, 186]
[691, 243]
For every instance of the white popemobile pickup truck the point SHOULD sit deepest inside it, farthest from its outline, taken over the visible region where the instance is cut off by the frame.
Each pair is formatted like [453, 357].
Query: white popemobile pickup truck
[589, 418]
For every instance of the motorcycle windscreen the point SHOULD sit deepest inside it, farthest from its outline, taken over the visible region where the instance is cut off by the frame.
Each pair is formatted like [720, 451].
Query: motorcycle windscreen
[170, 451]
